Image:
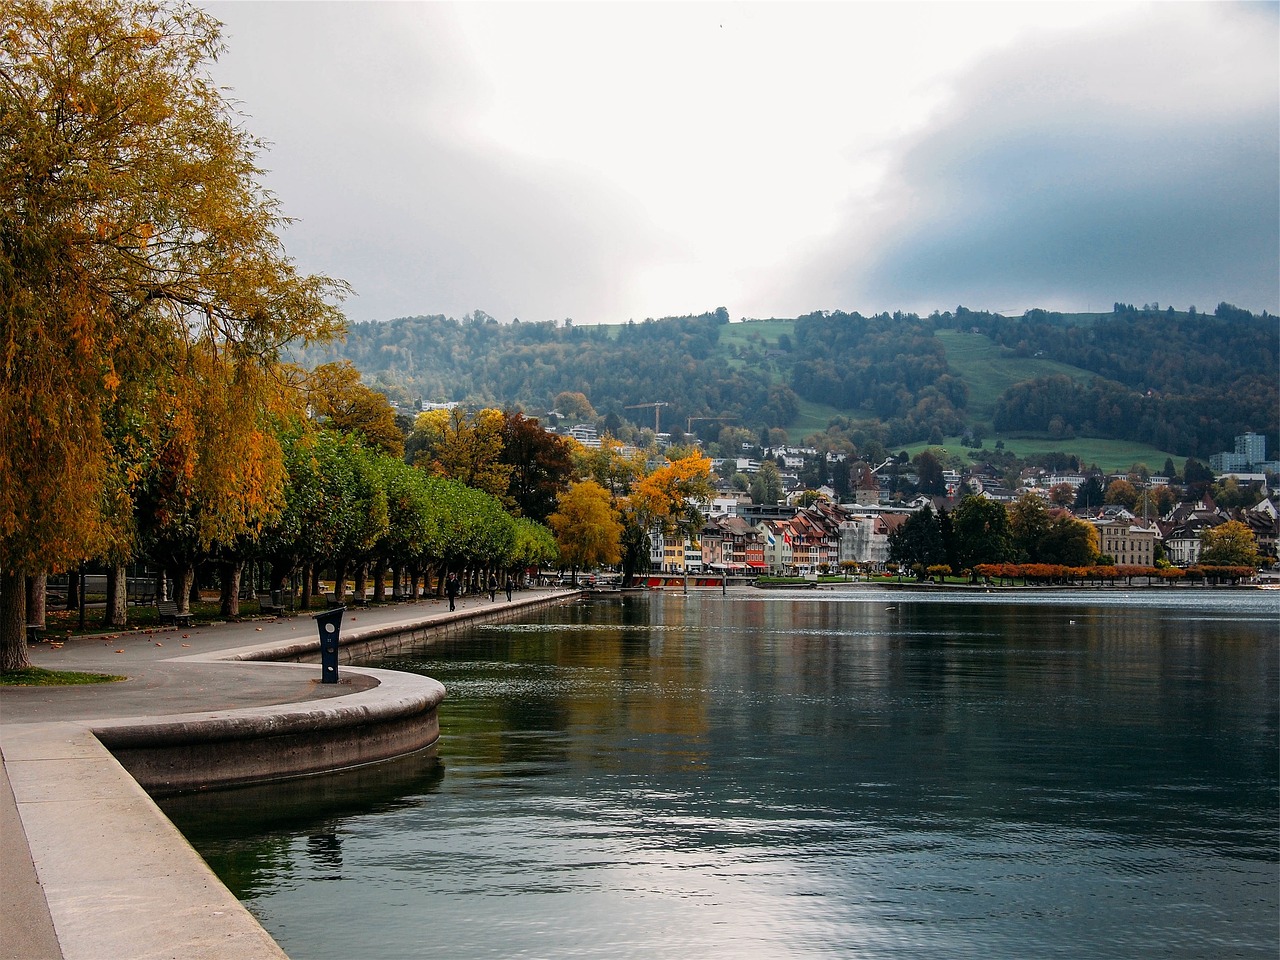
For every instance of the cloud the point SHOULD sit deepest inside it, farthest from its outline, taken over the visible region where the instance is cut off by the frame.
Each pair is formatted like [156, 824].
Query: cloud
[1136, 165]
[371, 114]
[615, 161]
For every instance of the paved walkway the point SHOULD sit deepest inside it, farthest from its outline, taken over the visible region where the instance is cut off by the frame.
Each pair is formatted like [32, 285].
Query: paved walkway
[91, 868]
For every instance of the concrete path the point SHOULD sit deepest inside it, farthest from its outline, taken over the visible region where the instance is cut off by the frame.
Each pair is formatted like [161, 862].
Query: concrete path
[90, 868]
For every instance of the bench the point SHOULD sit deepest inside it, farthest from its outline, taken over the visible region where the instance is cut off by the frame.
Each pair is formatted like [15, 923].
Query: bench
[168, 611]
[332, 602]
[33, 632]
[267, 603]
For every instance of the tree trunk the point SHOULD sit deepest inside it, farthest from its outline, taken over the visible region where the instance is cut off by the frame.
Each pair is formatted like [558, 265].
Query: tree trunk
[340, 581]
[397, 583]
[117, 613]
[184, 579]
[306, 587]
[13, 622]
[73, 588]
[37, 598]
[379, 582]
[362, 582]
[230, 589]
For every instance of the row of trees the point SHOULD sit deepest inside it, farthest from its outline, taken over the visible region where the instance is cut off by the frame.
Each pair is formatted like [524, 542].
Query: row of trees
[1031, 533]
[145, 298]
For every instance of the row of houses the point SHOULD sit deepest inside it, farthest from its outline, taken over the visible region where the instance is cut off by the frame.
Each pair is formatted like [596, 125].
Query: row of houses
[785, 541]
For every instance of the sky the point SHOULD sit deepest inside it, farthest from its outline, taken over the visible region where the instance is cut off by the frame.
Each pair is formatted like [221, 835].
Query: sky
[614, 161]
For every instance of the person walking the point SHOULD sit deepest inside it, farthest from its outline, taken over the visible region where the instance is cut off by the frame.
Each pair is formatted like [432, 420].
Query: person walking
[493, 588]
[509, 578]
[451, 589]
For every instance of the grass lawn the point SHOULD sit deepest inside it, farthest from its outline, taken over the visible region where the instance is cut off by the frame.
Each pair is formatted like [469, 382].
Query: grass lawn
[39, 677]
[1111, 456]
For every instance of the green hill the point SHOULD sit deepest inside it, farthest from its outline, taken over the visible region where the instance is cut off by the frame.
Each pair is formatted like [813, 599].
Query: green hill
[1149, 383]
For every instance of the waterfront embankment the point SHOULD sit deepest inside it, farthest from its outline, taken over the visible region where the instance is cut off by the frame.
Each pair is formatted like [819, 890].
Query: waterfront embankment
[92, 867]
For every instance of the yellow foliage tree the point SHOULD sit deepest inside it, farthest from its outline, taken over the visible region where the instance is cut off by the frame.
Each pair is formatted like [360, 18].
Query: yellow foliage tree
[586, 526]
[137, 247]
[336, 396]
[465, 448]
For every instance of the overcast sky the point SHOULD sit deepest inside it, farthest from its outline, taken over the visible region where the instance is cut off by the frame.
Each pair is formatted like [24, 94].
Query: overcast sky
[613, 161]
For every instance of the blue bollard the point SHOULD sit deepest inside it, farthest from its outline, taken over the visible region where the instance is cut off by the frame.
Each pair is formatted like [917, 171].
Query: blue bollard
[329, 624]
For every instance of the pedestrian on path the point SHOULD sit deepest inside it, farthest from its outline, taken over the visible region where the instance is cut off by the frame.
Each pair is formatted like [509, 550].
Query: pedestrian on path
[493, 588]
[509, 578]
[451, 589]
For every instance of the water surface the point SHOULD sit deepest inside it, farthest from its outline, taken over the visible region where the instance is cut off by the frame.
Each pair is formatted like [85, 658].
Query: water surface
[863, 774]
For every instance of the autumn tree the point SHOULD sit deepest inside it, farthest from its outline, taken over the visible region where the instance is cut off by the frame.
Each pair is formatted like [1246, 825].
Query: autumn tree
[540, 464]
[1062, 494]
[587, 528]
[1069, 541]
[341, 402]
[1231, 544]
[134, 233]
[464, 447]
[1121, 493]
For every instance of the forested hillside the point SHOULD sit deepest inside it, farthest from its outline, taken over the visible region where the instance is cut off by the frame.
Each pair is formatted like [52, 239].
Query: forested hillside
[1184, 382]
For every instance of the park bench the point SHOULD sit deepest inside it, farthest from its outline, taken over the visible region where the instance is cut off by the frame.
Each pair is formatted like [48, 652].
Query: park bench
[267, 603]
[168, 611]
[33, 632]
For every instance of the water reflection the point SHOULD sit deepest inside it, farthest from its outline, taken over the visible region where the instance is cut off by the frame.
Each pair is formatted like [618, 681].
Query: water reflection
[815, 776]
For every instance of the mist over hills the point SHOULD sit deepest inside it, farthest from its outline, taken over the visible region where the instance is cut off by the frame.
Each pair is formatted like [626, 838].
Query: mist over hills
[1184, 382]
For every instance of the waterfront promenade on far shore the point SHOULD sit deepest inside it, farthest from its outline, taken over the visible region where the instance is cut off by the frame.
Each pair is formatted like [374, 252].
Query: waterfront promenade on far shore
[91, 868]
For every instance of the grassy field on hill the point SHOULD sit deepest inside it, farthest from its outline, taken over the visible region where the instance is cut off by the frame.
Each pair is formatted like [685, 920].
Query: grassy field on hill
[989, 369]
[1110, 456]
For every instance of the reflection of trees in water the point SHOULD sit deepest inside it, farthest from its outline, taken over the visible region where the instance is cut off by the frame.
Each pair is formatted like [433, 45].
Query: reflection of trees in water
[894, 708]
[247, 833]
[325, 850]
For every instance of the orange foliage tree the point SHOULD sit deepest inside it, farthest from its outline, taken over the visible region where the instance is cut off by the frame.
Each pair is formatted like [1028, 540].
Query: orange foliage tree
[136, 247]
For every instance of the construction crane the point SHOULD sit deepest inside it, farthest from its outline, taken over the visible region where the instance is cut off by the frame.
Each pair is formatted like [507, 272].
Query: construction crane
[657, 410]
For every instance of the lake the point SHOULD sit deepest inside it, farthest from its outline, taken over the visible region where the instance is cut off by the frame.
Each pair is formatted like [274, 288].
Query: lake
[862, 773]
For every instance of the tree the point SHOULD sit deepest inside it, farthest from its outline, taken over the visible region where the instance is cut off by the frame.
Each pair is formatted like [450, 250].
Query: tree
[133, 231]
[588, 531]
[669, 496]
[917, 542]
[1062, 494]
[1069, 542]
[465, 448]
[342, 403]
[1231, 544]
[929, 471]
[1090, 493]
[981, 530]
[540, 465]
[573, 405]
[1028, 521]
[766, 486]
[1122, 493]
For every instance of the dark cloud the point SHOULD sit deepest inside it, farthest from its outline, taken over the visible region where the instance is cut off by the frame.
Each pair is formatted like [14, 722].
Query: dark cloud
[1078, 175]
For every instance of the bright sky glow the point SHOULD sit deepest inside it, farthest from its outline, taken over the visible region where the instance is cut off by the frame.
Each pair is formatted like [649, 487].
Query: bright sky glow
[613, 161]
